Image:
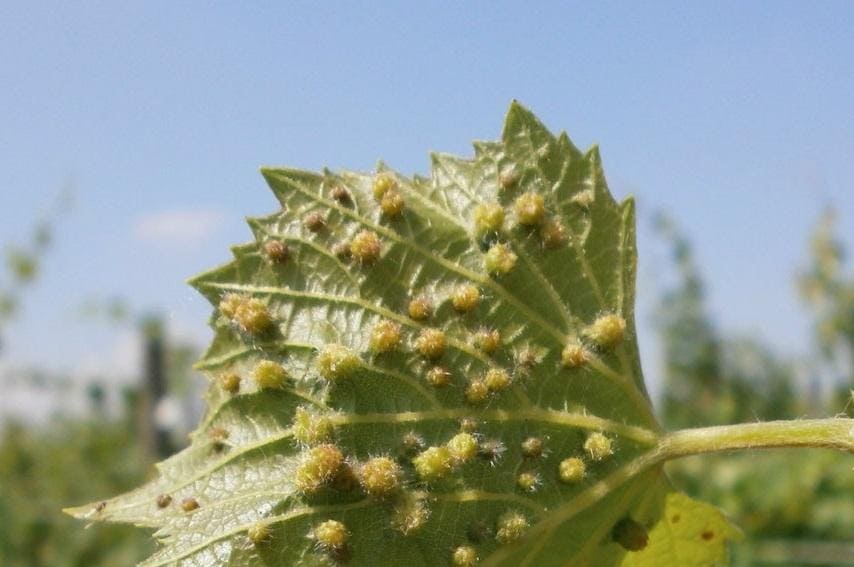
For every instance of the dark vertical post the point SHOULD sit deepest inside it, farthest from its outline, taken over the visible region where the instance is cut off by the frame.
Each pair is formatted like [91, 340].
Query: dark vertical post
[154, 387]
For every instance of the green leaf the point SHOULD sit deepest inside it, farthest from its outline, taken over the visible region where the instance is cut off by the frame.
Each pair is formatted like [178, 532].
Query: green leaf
[450, 371]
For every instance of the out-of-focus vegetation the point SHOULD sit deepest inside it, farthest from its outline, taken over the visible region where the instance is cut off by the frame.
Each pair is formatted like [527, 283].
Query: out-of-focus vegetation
[797, 506]
[70, 460]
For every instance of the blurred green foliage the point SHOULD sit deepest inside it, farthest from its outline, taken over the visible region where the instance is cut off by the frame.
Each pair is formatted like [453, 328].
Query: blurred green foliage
[69, 461]
[796, 506]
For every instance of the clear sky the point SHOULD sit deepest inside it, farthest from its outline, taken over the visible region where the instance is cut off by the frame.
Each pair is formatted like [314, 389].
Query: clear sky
[735, 117]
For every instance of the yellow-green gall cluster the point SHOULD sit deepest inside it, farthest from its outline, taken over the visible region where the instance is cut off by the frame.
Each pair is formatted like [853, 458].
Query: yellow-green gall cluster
[465, 298]
[572, 470]
[497, 379]
[528, 481]
[510, 527]
[420, 308]
[269, 375]
[320, 466]
[311, 428]
[248, 313]
[488, 217]
[607, 330]
[392, 203]
[574, 354]
[500, 259]
[331, 535]
[487, 340]
[438, 377]
[462, 447]
[385, 337]
[365, 247]
[464, 556]
[433, 463]
[530, 209]
[380, 476]
[259, 533]
[477, 392]
[336, 362]
[598, 447]
[383, 183]
[431, 343]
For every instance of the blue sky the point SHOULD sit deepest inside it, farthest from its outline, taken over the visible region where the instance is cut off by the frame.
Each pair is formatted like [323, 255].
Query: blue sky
[734, 117]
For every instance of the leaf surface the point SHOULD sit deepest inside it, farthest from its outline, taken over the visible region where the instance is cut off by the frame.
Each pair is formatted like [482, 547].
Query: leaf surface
[489, 358]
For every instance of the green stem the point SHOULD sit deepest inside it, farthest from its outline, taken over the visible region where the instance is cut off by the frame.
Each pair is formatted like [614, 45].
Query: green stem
[832, 433]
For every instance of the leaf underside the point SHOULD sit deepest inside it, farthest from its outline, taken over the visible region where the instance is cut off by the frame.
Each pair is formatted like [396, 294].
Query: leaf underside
[324, 282]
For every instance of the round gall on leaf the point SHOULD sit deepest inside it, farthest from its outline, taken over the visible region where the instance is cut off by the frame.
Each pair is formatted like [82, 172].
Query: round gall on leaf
[598, 446]
[230, 382]
[500, 259]
[336, 362]
[385, 337]
[269, 375]
[252, 316]
[477, 392]
[320, 466]
[420, 308]
[511, 526]
[607, 330]
[365, 247]
[532, 447]
[258, 533]
[163, 500]
[431, 343]
[438, 377]
[497, 379]
[464, 556]
[229, 303]
[314, 221]
[465, 298]
[572, 470]
[341, 195]
[331, 534]
[433, 463]
[309, 428]
[463, 447]
[392, 203]
[276, 251]
[630, 534]
[383, 183]
[380, 476]
[574, 355]
[528, 481]
[189, 504]
[530, 209]
[553, 234]
[488, 217]
[487, 340]
[410, 513]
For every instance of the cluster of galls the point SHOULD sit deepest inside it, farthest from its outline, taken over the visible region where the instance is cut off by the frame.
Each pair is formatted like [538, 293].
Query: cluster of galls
[529, 211]
[605, 333]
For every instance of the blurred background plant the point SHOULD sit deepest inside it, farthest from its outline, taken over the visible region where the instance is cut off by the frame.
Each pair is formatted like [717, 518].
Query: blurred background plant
[796, 505]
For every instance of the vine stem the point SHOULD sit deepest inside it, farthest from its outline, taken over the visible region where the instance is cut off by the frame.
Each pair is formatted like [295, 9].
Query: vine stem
[831, 433]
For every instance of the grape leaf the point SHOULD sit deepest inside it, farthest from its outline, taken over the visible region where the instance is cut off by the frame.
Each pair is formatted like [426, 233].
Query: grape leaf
[424, 371]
